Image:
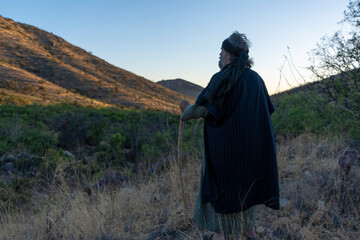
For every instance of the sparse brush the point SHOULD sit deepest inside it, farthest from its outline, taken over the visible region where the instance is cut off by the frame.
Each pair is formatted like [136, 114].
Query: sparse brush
[320, 204]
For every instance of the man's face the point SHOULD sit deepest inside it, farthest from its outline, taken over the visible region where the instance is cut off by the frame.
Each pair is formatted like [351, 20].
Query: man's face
[222, 58]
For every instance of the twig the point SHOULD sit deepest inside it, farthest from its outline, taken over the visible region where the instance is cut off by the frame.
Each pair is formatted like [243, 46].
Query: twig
[181, 129]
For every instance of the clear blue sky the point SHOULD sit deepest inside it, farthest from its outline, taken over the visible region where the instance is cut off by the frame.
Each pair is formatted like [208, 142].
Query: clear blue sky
[167, 39]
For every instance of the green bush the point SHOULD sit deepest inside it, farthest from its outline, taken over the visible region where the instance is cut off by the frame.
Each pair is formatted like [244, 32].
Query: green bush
[37, 140]
[4, 145]
[295, 115]
[116, 142]
[51, 160]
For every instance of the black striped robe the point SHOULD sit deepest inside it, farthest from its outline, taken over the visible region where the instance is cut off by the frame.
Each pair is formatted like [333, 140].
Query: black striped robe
[240, 148]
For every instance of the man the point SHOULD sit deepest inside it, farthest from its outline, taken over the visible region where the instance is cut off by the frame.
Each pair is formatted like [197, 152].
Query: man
[239, 169]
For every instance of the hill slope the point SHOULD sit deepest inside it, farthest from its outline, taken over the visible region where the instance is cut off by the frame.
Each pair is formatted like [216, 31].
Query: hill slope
[182, 86]
[36, 64]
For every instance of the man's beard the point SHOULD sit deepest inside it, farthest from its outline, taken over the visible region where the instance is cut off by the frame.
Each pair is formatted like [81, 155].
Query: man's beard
[221, 64]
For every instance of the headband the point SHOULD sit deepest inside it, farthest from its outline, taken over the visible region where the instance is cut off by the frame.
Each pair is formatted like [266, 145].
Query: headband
[230, 49]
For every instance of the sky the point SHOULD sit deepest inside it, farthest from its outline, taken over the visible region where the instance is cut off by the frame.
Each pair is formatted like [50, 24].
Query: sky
[168, 39]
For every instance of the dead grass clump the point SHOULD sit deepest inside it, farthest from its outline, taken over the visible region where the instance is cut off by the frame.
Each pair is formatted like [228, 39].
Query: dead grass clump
[318, 202]
[136, 211]
[321, 202]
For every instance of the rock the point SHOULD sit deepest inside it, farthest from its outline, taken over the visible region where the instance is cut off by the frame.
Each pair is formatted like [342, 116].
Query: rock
[179, 209]
[85, 160]
[69, 154]
[336, 221]
[261, 231]
[284, 221]
[127, 191]
[304, 233]
[308, 174]
[30, 174]
[7, 158]
[157, 198]
[284, 202]
[9, 167]
[10, 158]
[2, 158]
[164, 234]
[321, 205]
[317, 218]
[5, 180]
[294, 215]
[165, 213]
[291, 169]
[294, 228]
[347, 160]
[112, 180]
[174, 223]
[303, 215]
[41, 195]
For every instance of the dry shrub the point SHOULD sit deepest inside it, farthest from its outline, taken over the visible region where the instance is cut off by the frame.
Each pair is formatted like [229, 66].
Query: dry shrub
[322, 202]
[133, 212]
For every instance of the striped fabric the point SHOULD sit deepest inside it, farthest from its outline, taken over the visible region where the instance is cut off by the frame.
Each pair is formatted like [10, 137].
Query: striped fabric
[241, 168]
[226, 224]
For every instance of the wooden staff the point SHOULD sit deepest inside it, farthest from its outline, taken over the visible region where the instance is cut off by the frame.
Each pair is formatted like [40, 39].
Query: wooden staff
[181, 129]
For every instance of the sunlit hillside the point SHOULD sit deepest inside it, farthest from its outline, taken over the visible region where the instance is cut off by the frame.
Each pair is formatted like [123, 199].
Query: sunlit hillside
[37, 66]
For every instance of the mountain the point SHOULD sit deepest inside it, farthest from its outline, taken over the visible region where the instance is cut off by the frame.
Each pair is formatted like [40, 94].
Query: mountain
[37, 66]
[182, 86]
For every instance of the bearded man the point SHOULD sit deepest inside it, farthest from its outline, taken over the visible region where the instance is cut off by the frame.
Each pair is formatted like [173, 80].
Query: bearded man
[239, 167]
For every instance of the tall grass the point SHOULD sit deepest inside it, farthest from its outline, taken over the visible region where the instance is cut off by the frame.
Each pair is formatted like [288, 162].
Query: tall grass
[322, 204]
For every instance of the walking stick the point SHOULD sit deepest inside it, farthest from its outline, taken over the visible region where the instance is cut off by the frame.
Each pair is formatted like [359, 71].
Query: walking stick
[181, 129]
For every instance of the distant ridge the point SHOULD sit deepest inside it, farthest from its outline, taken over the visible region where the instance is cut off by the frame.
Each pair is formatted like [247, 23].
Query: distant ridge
[182, 86]
[39, 67]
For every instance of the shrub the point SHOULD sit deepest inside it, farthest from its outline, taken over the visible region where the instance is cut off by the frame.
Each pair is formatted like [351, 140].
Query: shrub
[15, 193]
[51, 160]
[37, 140]
[13, 99]
[72, 130]
[294, 115]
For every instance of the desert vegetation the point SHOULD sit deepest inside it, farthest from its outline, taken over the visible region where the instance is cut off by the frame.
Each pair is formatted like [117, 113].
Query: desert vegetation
[89, 171]
[75, 172]
[319, 199]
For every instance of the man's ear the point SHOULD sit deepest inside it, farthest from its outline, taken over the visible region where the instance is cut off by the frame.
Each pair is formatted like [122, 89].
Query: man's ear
[227, 56]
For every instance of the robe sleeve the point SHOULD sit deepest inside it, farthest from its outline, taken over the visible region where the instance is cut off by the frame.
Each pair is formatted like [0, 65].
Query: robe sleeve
[194, 111]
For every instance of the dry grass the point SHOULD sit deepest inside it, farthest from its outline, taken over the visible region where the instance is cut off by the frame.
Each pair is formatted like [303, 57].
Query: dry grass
[322, 204]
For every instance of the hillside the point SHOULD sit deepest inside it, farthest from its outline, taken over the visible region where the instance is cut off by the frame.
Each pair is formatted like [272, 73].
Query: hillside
[331, 85]
[182, 86]
[37, 66]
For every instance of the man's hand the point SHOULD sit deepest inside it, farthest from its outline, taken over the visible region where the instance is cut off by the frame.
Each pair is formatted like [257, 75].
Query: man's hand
[183, 104]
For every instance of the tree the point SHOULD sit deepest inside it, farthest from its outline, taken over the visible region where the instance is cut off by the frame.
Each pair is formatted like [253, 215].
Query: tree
[336, 62]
